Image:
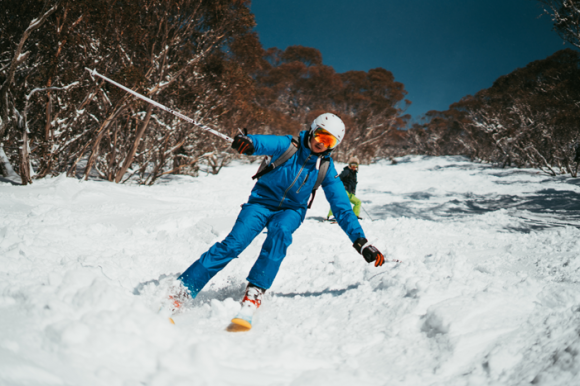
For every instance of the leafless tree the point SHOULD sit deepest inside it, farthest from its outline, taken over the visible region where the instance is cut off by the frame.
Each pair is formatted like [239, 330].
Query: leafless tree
[565, 15]
[171, 51]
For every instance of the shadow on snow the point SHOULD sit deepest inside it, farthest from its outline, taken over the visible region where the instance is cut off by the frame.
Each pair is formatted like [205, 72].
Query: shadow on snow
[543, 209]
[333, 293]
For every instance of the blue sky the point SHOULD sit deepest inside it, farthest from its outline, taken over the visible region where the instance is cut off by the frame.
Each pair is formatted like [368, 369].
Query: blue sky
[441, 50]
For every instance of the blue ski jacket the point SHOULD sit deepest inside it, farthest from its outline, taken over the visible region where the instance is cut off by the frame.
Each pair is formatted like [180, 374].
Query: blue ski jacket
[289, 185]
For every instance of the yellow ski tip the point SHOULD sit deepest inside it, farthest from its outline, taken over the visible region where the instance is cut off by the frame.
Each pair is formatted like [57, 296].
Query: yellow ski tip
[171, 321]
[239, 325]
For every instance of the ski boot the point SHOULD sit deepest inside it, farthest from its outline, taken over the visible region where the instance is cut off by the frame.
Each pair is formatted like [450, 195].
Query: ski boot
[251, 302]
[176, 298]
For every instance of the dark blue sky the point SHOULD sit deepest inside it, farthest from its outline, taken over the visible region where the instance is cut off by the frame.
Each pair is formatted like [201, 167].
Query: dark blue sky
[441, 50]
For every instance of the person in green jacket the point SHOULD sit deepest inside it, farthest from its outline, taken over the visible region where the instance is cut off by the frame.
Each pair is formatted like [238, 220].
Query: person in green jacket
[348, 178]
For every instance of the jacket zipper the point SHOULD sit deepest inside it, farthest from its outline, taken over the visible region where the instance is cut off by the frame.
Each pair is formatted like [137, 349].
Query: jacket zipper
[306, 179]
[293, 182]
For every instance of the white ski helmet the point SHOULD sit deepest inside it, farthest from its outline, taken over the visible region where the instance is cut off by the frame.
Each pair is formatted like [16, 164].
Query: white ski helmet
[330, 123]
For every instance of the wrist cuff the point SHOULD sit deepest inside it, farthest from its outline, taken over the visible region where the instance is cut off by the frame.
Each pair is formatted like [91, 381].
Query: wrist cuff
[360, 244]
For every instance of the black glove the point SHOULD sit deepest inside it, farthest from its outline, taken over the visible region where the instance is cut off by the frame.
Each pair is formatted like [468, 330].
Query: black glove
[369, 252]
[243, 144]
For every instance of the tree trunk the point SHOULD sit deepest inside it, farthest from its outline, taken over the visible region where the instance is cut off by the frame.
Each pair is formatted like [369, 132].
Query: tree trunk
[25, 160]
[105, 125]
[133, 150]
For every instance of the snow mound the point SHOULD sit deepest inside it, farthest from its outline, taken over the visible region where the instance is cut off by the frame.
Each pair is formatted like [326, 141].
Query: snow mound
[487, 293]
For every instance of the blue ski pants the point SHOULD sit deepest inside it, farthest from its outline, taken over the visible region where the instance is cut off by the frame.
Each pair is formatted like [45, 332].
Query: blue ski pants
[281, 224]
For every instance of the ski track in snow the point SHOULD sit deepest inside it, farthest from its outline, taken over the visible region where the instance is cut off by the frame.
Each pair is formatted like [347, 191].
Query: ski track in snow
[488, 291]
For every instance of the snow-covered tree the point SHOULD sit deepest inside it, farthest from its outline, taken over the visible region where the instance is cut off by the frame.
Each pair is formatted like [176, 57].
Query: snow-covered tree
[296, 83]
[171, 51]
[566, 17]
[19, 55]
[527, 118]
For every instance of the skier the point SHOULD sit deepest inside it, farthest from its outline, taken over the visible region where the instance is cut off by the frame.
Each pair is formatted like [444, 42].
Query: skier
[278, 202]
[348, 178]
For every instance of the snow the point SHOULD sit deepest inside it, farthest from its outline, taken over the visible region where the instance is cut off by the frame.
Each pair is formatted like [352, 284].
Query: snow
[12, 176]
[487, 292]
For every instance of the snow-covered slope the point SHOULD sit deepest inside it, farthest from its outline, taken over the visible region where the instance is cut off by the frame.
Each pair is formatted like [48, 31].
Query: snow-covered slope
[487, 293]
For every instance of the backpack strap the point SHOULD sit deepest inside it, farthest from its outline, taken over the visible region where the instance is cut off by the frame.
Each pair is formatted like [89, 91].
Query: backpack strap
[266, 166]
[323, 164]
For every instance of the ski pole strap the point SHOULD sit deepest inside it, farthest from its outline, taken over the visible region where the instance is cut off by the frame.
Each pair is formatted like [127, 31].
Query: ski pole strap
[266, 168]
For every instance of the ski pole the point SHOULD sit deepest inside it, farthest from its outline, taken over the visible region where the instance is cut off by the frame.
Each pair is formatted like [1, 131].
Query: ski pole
[177, 114]
[367, 213]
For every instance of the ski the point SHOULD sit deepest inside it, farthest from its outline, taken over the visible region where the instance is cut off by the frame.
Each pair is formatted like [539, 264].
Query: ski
[239, 325]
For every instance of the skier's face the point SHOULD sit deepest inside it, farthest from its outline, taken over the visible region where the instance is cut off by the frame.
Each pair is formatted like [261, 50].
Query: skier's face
[317, 147]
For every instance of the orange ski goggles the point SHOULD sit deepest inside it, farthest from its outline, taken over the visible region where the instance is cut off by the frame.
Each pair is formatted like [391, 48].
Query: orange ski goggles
[324, 137]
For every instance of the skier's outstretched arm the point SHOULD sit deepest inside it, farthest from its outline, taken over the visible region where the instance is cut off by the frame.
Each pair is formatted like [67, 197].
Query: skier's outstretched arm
[342, 210]
[273, 145]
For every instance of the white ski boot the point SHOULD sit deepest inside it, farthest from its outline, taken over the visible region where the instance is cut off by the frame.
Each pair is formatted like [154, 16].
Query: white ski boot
[251, 302]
